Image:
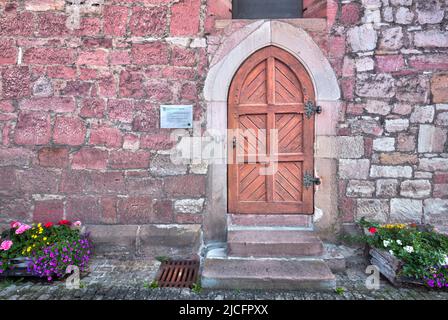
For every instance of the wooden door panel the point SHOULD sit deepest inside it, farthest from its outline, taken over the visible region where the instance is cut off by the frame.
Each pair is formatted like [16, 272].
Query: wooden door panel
[252, 186]
[266, 105]
[290, 132]
[287, 86]
[255, 86]
[288, 182]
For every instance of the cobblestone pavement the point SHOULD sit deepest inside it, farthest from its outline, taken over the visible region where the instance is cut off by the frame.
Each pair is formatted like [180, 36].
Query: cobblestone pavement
[113, 278]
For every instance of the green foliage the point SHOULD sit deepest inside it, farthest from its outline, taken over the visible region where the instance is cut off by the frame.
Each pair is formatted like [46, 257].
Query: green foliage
[339, 290]
[163, 258]
[196, 288]
[34, 240]
[151, 285]
[420, 248]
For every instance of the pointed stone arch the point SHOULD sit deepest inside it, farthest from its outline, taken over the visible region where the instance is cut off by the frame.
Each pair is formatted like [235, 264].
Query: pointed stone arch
[230, 55]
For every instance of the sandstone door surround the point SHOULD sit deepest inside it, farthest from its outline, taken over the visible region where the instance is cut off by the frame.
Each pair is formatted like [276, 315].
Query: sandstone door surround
[235, 49]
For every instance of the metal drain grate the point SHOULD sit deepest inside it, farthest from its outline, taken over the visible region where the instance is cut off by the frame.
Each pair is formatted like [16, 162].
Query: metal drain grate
[178, 274]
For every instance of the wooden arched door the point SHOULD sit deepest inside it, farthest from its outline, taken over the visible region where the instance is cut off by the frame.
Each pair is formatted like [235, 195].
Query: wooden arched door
[268, 101]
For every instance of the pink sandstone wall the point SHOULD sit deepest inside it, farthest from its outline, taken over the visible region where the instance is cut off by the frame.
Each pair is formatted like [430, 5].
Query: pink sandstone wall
[79, 119]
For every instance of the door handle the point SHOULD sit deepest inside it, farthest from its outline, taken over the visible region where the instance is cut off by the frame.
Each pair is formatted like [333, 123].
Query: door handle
[234, 142]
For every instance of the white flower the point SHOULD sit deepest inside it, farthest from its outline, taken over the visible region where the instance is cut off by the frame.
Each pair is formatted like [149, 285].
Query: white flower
[409, 249]
[399, 242]
[386, 243]
[391, 252]
[445, 263]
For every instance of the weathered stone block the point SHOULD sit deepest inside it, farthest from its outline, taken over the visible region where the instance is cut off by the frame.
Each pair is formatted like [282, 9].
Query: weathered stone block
[354, 169]
[360, 188]
[148, 21]
[431, 138]
[391, 171]
[192, 206]
[433, 164]
[389, 63]
[150, 53]
[90, 158]
[48, 211]
[364, 64]
[15, 82]
[406, 210]
[93, 58]
[15, 157]
[430, 12]
[44, 5]
[107, 136]
[413, 89]
[431, 39]
[441, 190]
[51, 56]
[404, 16]
[38, 180]
[69, 130]
[185, 18]
[439, 88]
[442, 119]
[162, 165]
[185, 186]
[398, 158]
[169, 240]
[415, 188]
[93, 108]
[115, 20]
[43, 87]
[391, 39]
[120, 110]
[8, 52]
[33, 128]
[129, 160]
[396, 125]
[105, 182]
[350, 14]
[135, 209]
[372, 209]
[386, 187]
[435, 211]
[362, 38]
[132, 84]
[422, 114]
[366, 125]
[114, 238]
[406, 142]
[375, 85]
[384, 144]
[53, 157]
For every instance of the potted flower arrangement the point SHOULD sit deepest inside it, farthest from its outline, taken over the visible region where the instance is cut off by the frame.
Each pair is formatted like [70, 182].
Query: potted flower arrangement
[44, 250]
[408, 253]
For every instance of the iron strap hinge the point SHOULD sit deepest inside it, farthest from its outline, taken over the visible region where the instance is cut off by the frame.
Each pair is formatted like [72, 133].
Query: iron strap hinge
[309, 180]
[311, 108]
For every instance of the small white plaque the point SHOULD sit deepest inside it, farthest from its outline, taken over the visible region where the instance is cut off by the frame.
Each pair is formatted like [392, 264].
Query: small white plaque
[176, 116]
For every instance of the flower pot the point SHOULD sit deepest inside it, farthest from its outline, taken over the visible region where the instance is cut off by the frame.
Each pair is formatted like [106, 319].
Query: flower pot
[389, 266]
[19, 268]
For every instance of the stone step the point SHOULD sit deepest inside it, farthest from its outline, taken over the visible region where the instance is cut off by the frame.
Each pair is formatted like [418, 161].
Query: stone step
[259, 273]
[273, 243]
[270, 220]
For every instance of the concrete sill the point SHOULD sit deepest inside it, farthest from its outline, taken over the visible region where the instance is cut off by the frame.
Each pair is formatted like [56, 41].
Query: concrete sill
[308, 24]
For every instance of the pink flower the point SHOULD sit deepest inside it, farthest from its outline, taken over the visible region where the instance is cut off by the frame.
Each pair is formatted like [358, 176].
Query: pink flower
[77, 223]
[15, 224]
[6, 245]
[22, 228]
